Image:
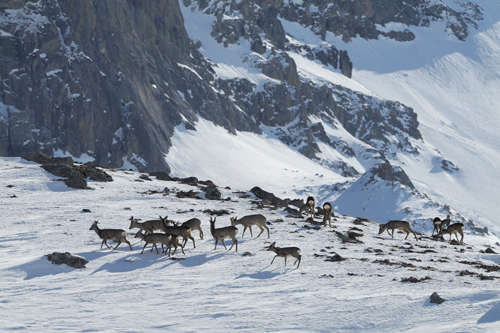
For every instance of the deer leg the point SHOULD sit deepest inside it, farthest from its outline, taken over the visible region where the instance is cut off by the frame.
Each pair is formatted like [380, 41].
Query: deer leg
[223, 243]
[244, 229]
[144, 248]
[129, 244]
[234, 242]
[285, 260]
[273, 259]
[251, 234]
[119, 242]
[201, 233]
[261, 230]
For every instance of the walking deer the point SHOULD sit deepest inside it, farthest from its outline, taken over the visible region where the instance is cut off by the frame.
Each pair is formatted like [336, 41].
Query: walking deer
[117, 235]
[183, 231]
[402, 225]
[309, 207]
[454, 229]
[250, 220]
[285, 252]
[194, 224]
[163, 239]
[328, 212]
[148, 226]
[221, 233]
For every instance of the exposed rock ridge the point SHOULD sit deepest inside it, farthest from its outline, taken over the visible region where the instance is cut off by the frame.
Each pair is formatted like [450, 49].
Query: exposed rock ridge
[103, 78]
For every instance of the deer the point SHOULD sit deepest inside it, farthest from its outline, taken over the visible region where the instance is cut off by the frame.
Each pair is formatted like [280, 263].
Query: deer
[438, 224]
[454, 229]
[183, 231]
[328, 213]
[148, 226]
[394, 224]
[248, 221]
[286, 252]
[163, 239]
[194, 224]
[309, 207]
[118, 235]
[220, 234]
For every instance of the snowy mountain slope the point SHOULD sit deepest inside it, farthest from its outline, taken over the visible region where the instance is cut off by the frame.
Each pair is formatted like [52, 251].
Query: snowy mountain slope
[223, 290]
[452, 85]
[439, 76]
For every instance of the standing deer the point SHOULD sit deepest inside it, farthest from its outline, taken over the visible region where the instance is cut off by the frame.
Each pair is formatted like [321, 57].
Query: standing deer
[183, 231]
[285, 252]
[454, 229]
[328, 212]
[438, 224]
[117, 235]
[221, 233]
[309, 207]
[403, 225]
[149, 226]
[194, 224]
[250, 220]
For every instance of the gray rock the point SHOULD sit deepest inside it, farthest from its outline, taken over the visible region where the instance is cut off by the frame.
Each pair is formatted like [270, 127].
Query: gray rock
[76, 182]
[435, 298]
[212, 193]
[67, 258]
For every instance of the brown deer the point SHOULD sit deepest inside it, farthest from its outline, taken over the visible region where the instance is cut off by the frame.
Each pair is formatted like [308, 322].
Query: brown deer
[285, 252]
[149, 226]
[328, 213]
[183, 231]
[402, 225]
[309, 207]
[250, 220]
[454, 229]
[117, 235]
[221, 233]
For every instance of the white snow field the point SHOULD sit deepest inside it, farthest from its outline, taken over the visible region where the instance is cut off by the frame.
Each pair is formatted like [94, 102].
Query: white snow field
[219, 290]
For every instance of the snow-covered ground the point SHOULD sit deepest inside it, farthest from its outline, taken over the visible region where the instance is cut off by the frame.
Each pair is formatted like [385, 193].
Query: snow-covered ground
[217, 291]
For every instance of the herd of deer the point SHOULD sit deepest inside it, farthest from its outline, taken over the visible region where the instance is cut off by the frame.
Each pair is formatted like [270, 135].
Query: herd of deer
[438, 228]
[170, 236]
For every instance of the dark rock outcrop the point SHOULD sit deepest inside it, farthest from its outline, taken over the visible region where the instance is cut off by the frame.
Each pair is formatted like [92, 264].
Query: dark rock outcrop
[106, 79]
[67, 258]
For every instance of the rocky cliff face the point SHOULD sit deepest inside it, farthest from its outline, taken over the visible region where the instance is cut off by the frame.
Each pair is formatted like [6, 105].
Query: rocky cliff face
[106, 79]
[111, 80]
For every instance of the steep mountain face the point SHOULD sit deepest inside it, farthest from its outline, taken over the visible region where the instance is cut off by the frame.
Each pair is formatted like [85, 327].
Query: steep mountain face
[110, 81]
[107, 79]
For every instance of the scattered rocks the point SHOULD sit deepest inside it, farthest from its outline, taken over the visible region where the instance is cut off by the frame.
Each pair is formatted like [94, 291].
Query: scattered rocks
[189, 194]
[67, 258]
[160, 175]
[85, 210]
[489, 250]
[335, 258]
[247, 254]
[413, 279]
[435, 298]
[145, 177]
[218, 212]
